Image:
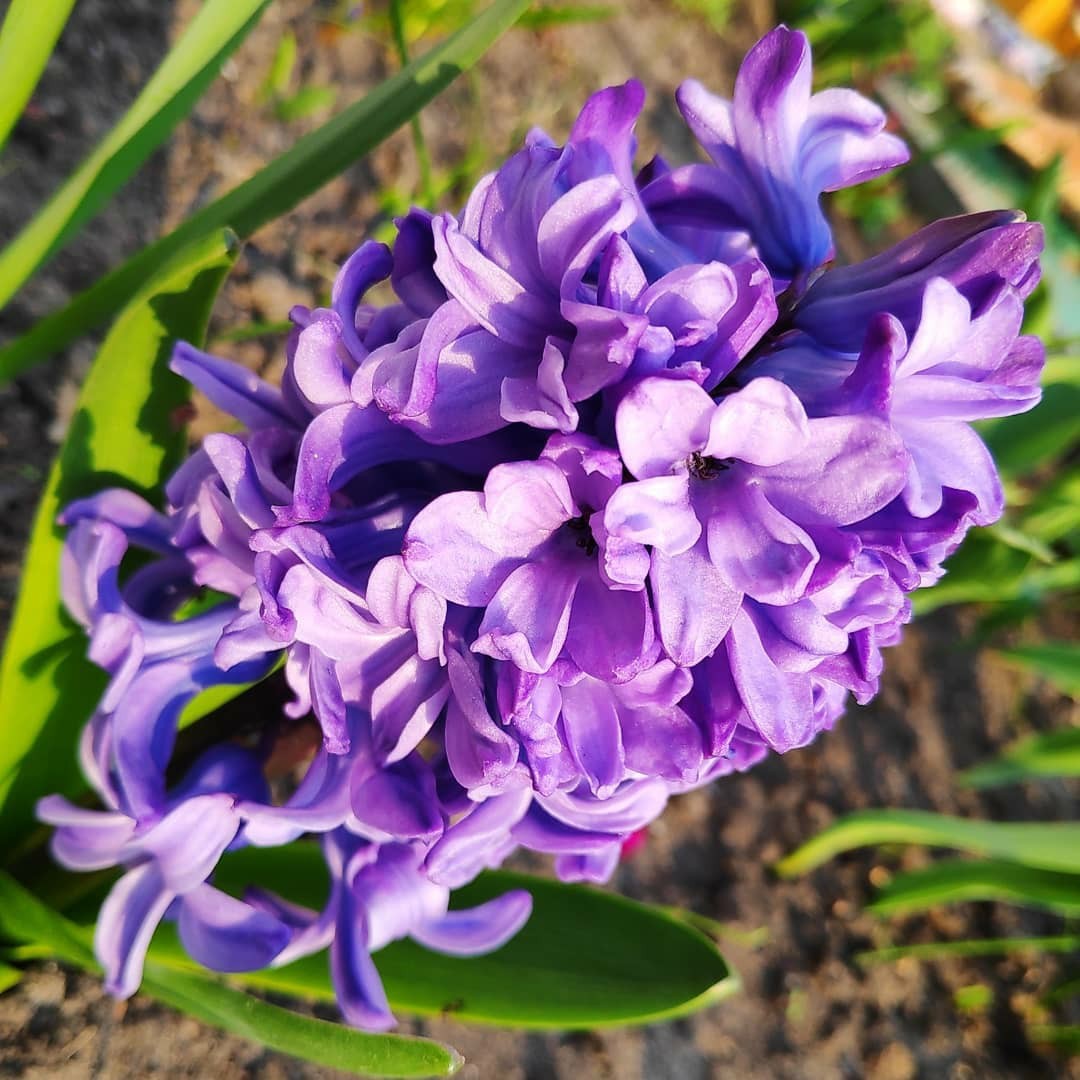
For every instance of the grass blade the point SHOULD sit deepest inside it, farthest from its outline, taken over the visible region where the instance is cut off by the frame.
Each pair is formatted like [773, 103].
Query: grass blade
[276, 189]
[123, 432]
[942, 950]
[167, 98]
[1063, 1037]
[24, 918]
[27, 38]
[984, 879]
[1056, 661]
[1054, 754]
[1053, 845]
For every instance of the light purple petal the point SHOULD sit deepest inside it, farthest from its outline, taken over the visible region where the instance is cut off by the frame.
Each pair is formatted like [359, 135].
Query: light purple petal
[764, 423]
[479, 930]
[851, 468]
[757, 548]
[660, 423]
[527, 619]
[590, 720]
[497, 301]
[695, 603]
[126, 923]
[611, 630]
[779, 704]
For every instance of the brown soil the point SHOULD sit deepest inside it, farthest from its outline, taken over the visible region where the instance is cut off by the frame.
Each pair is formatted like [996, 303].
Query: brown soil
[807, 1010]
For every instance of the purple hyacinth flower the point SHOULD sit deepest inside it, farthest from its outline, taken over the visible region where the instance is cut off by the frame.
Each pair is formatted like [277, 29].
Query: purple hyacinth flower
[578, 730]
[380, 893]
[775, 149]
[698, 320]
[157, 664]
[167, 863]
[954, 367]
[741, 497]
[975, 253]
[523, 245]
[584, 833]
[529, 550]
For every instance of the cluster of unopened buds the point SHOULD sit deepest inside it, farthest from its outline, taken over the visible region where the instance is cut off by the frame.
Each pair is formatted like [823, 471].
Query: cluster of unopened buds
[626, 489]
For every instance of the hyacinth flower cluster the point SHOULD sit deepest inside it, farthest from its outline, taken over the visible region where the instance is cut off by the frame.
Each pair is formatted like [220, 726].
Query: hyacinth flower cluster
[627, 488]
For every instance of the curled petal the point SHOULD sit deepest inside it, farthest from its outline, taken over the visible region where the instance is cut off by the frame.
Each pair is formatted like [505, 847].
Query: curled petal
[226, 934]
[126, 923]
[478, 930]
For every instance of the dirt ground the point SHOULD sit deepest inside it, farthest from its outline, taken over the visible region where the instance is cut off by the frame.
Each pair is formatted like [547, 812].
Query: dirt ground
[807, 1009]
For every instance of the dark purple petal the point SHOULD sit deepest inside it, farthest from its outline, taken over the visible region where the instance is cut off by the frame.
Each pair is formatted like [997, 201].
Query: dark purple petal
[359, 989]
[369, 264]
[226, 934]
[233, 388]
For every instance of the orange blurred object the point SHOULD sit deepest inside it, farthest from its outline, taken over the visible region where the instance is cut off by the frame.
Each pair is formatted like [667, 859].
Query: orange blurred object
[1054, 22]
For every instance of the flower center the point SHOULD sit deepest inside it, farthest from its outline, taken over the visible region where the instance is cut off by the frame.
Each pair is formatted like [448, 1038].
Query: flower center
[706, 468]
[583, 537]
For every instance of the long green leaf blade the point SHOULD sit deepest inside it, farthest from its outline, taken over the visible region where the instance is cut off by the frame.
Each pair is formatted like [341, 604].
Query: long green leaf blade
[1053, 845]
[586, 958]
[167, 98]
[333, 1045]
[27, 38]
[24, 918]
[1056, 661]
[123, 433]
[1041, 756]
[956, 880]
[942, 950]
[276, 189]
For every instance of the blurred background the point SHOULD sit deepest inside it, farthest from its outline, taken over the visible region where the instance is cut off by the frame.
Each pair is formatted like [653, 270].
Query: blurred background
[988, 96]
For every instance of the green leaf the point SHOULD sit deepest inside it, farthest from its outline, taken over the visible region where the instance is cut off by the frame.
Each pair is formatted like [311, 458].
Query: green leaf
[1063, 991]
[1022, 541]
[984, 879]
[976, 998]
[1053, 754]
[9, 977]
[1056, 661]
[585, 958]
[310, 99]
[124, 432]
[27, 38]
[982, 570]
[274, 190]
[215, 31]
[1053, 845]
[545, 15]
[24, 918]
[985, 570]
[334, 1045]
[1064, 1037]
[281, 67]
[942, 950]
[1054, 513]
[1020, 444]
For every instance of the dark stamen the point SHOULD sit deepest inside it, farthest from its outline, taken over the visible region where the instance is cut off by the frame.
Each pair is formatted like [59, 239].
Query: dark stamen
[585, 539]
[706, 468]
